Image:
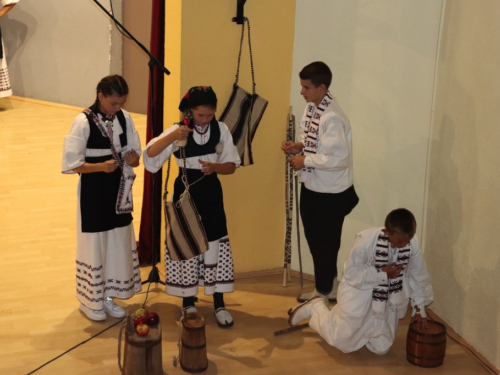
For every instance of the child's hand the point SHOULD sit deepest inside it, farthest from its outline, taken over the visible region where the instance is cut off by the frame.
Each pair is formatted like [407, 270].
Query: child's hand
[183, 132]
[421, 322]
[392, 270]
[132, 158]
[207, 167]
[291, 147]
[297, 162]
[109, 166]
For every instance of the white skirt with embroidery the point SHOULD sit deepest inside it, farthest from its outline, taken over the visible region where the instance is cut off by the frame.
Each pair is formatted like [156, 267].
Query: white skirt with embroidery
[213, 270]
[5, 87]
[107, 265]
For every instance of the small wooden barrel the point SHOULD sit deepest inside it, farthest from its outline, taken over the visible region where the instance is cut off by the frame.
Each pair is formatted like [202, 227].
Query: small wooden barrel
[193, 349]
[426, 348]
[142, 353]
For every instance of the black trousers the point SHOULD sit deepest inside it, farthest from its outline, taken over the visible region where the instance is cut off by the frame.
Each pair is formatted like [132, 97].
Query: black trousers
[323, 217]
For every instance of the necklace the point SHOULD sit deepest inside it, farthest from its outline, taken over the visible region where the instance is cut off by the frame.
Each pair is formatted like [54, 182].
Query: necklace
[105, 116]
[203, 130]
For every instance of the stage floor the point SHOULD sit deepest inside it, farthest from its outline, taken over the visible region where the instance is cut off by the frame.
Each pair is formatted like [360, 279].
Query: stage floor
[39, 316]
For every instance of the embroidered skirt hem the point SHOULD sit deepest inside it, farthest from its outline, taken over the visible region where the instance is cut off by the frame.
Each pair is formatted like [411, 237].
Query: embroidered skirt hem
[107, 265]
[213, 270]
[5, 87]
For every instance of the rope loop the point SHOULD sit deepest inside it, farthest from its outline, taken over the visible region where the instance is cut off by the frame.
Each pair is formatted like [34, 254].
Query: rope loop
[245, 21]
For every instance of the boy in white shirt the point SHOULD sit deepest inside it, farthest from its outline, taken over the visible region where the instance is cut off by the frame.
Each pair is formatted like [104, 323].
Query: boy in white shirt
[323, 160]
[384, 270]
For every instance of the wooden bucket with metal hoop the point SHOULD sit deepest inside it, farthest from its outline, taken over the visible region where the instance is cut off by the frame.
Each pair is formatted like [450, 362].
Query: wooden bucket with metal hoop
[142, 354]
[193, 345]
[426, 348]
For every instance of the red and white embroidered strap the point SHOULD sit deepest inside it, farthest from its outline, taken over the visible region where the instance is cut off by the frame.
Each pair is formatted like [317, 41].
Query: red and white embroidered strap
[124, 202]
[108, 133]
[390, 292]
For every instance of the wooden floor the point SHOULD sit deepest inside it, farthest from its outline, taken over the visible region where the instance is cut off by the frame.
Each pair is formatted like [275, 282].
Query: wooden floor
[39, 316]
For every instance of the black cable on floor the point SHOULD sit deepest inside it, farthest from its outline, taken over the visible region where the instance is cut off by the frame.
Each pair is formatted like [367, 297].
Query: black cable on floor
[77, 345]
[97, 334]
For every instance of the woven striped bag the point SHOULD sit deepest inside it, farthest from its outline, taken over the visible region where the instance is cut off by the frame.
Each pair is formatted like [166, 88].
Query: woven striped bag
[244, 110]
[185, 235]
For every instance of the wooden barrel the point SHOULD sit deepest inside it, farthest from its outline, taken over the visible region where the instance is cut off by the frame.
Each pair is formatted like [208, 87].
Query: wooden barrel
[426, 348]
[193, 349]
[142, 355]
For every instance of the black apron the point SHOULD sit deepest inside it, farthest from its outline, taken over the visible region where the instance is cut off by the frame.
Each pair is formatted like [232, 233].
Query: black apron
[99, 191]
[206, 193]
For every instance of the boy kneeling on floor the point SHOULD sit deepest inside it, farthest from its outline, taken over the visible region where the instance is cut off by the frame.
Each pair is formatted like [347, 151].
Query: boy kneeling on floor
[384, 270]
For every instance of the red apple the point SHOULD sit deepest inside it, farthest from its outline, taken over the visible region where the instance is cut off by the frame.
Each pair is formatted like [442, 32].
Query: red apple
[140, 320]
[142, 329]
[152, 319]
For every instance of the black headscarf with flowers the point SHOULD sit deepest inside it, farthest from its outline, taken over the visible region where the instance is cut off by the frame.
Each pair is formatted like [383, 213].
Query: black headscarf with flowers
[196, 96]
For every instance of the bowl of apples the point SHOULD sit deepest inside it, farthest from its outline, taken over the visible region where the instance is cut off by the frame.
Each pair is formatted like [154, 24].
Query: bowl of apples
[145, 321]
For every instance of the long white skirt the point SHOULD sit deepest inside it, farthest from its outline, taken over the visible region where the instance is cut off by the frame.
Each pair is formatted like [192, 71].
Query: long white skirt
[5, 87]
[107, 265]
[213, 270]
